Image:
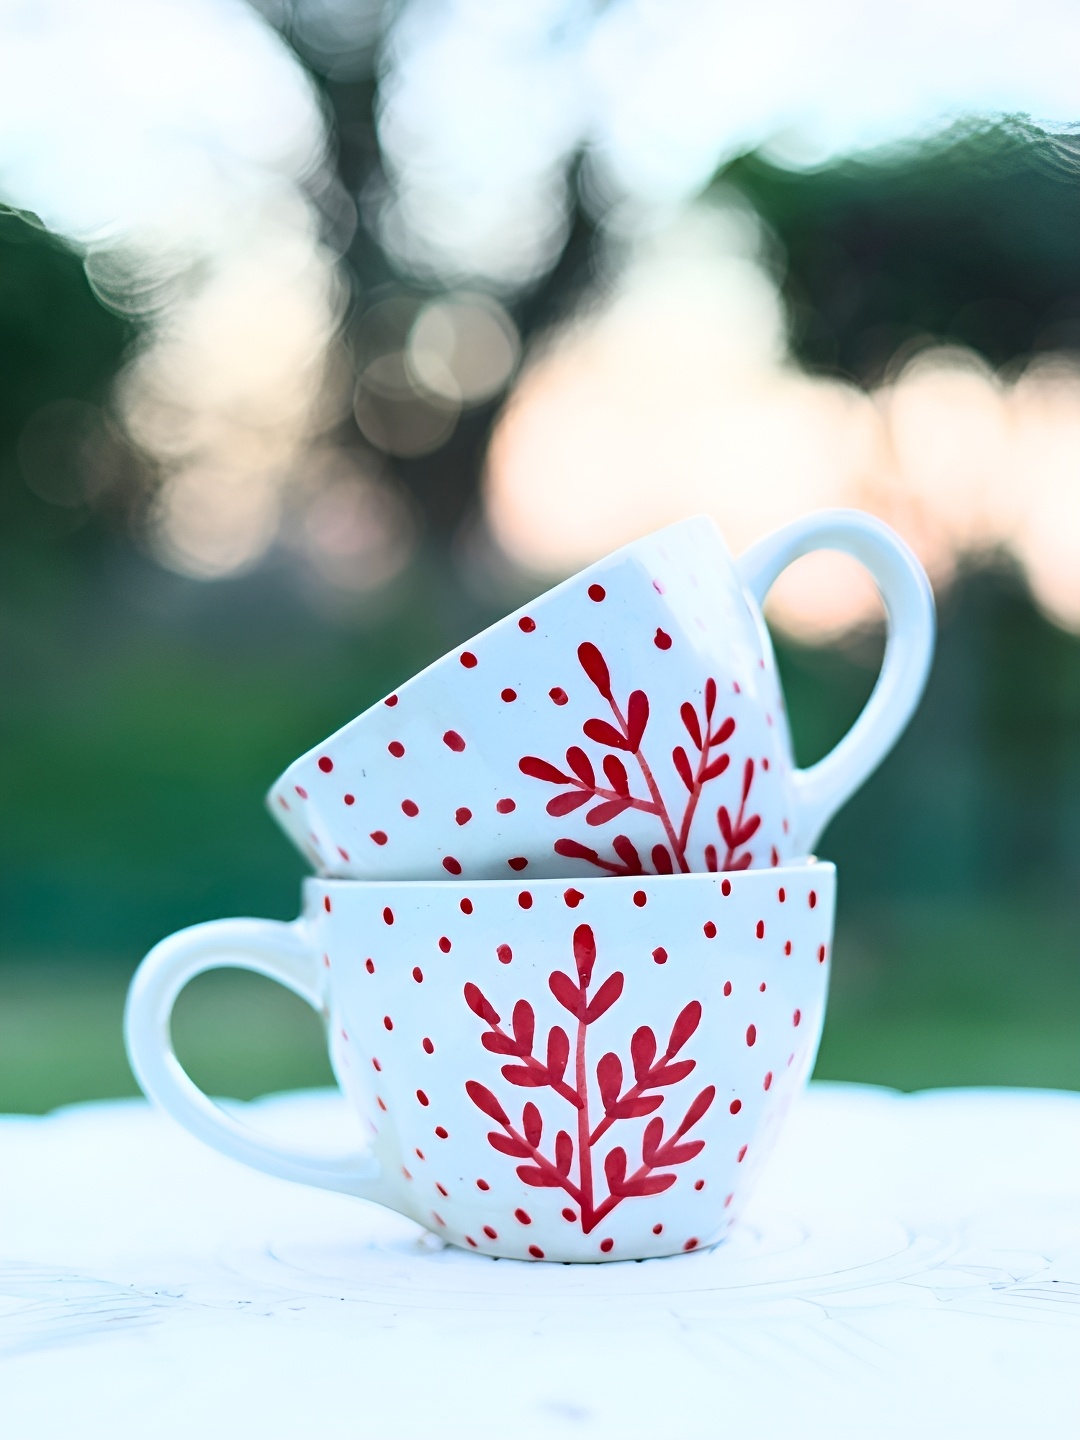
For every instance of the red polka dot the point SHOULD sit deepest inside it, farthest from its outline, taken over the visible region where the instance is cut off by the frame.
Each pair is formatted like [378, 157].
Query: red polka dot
[505, 807]
[379, 836]
[527, 623]
[388, 1022]
[428, 1045]
[735, 1106]
[418, 974]
[518, 862]
[568, 1214]
[658, 1229]
[438, 1218]
[471, 1241]
[572, 897]
[375, 1062]
[761, 987]
[781, 894]
[369, 965]
[759, 930]
[465, 905]
[640, 898]
[406, 1173]
[482, 1185]
[390, 700]
[381, 1104]
[508, 695]
[605, 1245]
[325, 764]
[422, 1098]
[463, 815]
[300, 791]
[453, 741]
[660, 955]
[768, 1079]
[796, 1017]
[536, 1252]
[525, 900]
[410, 808]
[505, 954]
[691, 1244]
[741, 1156]
[468, 659]
[523, 1217]
[490, 1233]
[765, 759]
[657, 585]
[751, 1035]
[727, 1200]
[442, 1132]
[725, 887]
[283, 802]
[388, 916]
[442, 1190]
[344, 854]
[787, 947]
[452, 866]
[727, 987]
[699, 1184]
[821, 954]
[710, 930]
[444, 944]
[419, 1154]
[396, 748]
[559, 695]
[349, 799]
[662, 640]
[813, 899]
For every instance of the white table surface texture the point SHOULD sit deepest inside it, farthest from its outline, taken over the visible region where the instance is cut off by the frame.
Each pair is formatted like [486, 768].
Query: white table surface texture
[909, 1266]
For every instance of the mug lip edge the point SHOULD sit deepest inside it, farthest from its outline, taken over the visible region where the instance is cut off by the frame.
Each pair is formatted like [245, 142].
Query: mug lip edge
[623, 552]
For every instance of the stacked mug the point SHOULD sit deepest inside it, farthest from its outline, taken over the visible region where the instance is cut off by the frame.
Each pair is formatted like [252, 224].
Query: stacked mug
[567, 932]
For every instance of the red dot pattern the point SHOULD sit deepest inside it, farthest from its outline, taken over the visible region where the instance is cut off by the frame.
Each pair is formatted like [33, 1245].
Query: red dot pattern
[379, 836]
[465, 905]
[453, 741]
[527, 623]
[505, 807]
[463, 815]
[597, 593]
[410, 808]
[349, 799]
[559, 695]
[518, 862]
[468, 659]
[525, 900]
[751, 1035]
[660, 955]
[505, 954]
[396, 748]
[508, 695]
[325, 764]
[662, 640]
[452, 866]
[640, 898]
[710, 930]
[444, 944]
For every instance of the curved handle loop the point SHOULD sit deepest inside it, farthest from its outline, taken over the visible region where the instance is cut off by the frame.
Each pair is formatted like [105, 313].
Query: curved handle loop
[269, 948]
[909, 606]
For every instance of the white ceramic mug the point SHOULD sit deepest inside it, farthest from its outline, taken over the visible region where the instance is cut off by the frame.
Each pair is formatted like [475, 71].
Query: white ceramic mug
[630, 721]
[575, 1072]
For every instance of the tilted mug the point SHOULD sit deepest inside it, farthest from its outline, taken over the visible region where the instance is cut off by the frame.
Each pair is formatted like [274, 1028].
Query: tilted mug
[582, 1072]
[630, 721]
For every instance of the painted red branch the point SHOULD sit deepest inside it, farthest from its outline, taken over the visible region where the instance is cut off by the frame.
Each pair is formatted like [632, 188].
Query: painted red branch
[736, 835]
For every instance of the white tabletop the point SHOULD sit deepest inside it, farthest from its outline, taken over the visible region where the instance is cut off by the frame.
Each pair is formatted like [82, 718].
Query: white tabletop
[909, 1266]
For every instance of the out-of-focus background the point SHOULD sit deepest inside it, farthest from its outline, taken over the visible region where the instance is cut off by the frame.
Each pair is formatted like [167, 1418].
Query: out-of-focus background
[330, 330]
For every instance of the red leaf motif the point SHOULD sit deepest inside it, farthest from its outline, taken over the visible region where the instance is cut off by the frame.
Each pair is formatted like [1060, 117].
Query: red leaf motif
[558, 1052]
[609, 1079]
[532, 1123]
[743, 862]
[712, 861]
[690, 720]
[533, 1175]
[651, 1140]
[679, 1154]
[525, 1076]
[584, 953]
[507, 1145]
[581, 765]
[605, 997]
[725, 732]
[682, 765]
[673, 1073]
[615, 771]
[717, 767]
[480, 1005]
[615, 1169]
[639, 1105]
[747, 830]
[686, 1022]
[661, 859]
[564, 1152]
[637, 717]
[642, 1051]
[626, 850]
[697, 1109]
[524, 1023]
[574, 850]
[649, 1184]
[595, 667]
[710, 697]
[723, 819]
[484, 1100]
[607, 810]
[570, 800]
[748, 778]
[566, 992]
[541, 770]
[498, 1044]
[605, 734]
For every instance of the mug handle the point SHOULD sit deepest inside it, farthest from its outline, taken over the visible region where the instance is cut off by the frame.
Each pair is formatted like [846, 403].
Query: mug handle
[909, 607]
[267, 947]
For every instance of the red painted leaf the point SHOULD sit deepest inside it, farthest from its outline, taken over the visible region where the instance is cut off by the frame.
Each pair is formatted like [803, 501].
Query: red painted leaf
[480, 1005]
[686, 1022]
[607, 810]
[690, 720]
[584, 952]
[652, 1140]
[533, 1175]
[682, 765]
[712, 861]
[581, 765]
[574, 850]
[615, 1169]
[697, 1109]
[637, 717]
[498, 1044]
[532, 1123]
[609, 1079]
[679, 1154]
[673, 1073]
[626, 850]
[710, 697]
[615, 771]
[566, 992]
[747, 830]
[595, 667]
[648, 1185]
[639, 1105]
[725, 732]
[507, 1144]
[558, 1052]
[717, 767]
[642, 1051]
[723, 819]
[524, 1023]
[564, 1152]
[484, 1100]
[661, 859]
[605, 734]
[529, 1076]
[743, 862]
[748, 778]
[568, 801]
[605, 997]
[541, 770]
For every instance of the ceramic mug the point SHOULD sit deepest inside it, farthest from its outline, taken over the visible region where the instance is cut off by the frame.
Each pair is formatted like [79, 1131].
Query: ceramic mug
[577, 1073]
[630, 721]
